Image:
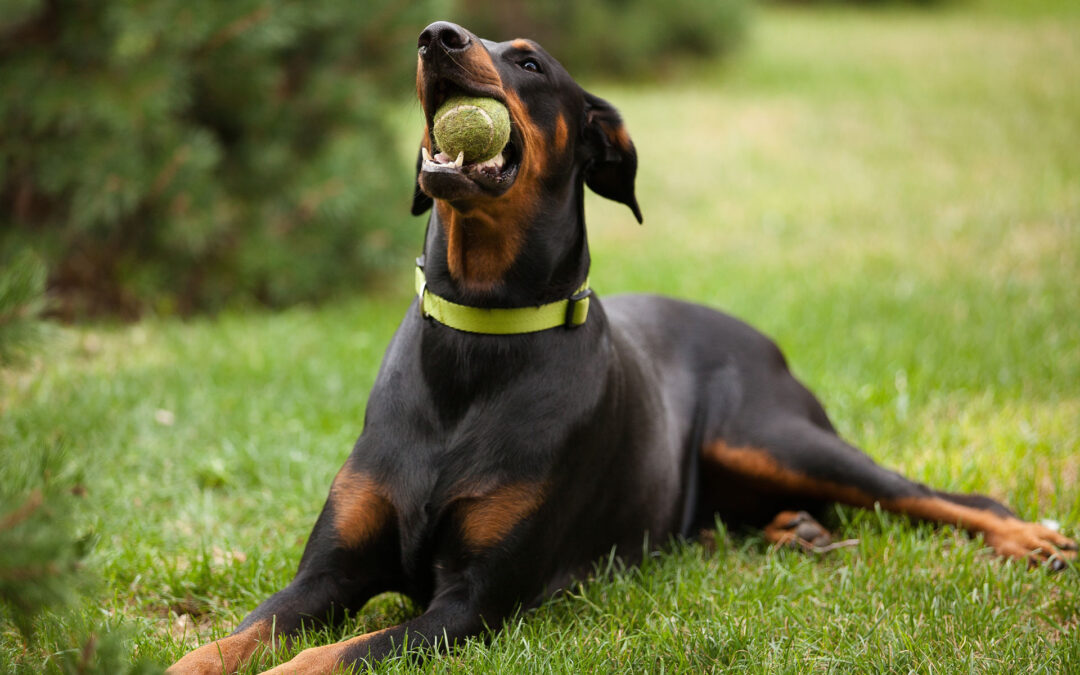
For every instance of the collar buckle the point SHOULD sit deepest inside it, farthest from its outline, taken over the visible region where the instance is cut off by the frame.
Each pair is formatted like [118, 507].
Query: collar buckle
[577, 308]
[421, 287]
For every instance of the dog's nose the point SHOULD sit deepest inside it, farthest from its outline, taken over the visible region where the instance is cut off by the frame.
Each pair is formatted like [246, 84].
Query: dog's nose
[444, 35]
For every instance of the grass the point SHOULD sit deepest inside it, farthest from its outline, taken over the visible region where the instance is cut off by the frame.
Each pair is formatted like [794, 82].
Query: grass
[894, 196]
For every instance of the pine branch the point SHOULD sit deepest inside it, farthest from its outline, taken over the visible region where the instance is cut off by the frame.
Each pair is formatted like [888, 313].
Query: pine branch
[32, 503]
[22, 293]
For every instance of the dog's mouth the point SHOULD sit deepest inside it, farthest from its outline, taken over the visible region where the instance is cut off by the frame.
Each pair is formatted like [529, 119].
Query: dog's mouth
[446, 177]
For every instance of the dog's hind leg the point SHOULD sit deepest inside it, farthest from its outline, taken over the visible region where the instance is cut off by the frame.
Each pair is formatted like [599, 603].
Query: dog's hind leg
[792, 459]
[797, 529]
[351, 555]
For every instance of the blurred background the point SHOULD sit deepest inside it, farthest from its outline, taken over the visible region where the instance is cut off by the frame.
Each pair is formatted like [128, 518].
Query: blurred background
[205, 246]
[173, 157]
[180, 157]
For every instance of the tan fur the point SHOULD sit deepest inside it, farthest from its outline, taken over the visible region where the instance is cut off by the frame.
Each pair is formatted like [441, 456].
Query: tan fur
[758, 465]
[485, 236]
[488, 519]
[1007, 536]
[360, 509]
[226, 655]
[562, 133]
[617, 135]
[321, 660]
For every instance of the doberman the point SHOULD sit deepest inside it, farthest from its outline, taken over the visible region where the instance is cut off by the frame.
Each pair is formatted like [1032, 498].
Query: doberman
[519, 430]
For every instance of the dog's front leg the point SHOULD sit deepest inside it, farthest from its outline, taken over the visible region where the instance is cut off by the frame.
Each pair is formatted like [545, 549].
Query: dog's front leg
[448, 619]
[351, 555]
[493, 559]
[278, 618]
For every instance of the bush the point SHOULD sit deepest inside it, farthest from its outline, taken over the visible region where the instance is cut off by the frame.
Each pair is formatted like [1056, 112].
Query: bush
[625, 38]
[176, 154]
[22, 300]
[861, 2]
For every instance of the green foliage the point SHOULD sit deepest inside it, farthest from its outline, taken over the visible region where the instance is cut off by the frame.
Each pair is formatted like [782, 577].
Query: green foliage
[878, 3]
[627, 38]
[179, 154]
[22, 299]
[43, 547]
[38, 551]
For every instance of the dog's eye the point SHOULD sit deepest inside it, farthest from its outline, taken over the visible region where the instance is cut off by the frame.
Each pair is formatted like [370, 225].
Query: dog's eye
[531, 65]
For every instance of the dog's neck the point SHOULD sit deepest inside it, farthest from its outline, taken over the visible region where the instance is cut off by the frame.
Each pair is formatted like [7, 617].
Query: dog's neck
[486, 259]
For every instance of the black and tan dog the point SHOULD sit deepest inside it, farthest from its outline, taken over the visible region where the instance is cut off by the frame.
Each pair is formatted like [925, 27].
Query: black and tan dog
[519, 429]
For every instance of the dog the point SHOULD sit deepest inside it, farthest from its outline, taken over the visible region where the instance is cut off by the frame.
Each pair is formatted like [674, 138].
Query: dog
[519, 429]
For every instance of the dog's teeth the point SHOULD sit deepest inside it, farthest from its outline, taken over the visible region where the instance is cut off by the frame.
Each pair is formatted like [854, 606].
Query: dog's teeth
[426, 153]
[460, 159]
[495, 162]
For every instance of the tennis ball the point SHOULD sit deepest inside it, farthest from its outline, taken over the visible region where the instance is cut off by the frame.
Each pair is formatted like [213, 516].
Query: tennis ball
[479, 127]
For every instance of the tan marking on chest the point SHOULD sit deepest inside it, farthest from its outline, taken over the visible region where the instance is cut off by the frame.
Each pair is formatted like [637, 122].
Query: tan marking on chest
[481, 245]
[488, 519]
[360, 508]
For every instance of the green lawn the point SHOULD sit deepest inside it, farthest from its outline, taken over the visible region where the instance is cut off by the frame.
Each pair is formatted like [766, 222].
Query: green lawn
[894, 196]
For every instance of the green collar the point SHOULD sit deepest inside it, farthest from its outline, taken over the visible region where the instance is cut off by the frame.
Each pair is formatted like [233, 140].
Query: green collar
[571, 312]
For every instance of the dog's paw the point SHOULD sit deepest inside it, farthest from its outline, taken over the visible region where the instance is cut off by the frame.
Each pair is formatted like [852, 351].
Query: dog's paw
[1036, 543]
[797, 529]
[226, 655]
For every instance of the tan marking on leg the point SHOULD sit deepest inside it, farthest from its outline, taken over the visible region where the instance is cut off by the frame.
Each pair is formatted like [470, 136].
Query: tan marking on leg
[226, 655]
[1008, 536]
[487, 519]
[781, 531]
[759, 465]
[360, 508]
[321, 660]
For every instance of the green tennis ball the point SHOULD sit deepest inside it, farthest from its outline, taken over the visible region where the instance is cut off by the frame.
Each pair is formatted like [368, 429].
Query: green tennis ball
[479, 127]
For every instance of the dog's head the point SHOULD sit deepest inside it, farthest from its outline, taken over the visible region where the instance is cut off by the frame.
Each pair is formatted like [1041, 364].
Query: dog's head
[561, 136]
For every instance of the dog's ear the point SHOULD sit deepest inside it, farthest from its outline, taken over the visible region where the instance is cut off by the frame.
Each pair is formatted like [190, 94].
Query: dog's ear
[612, 163]
[420, 201]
